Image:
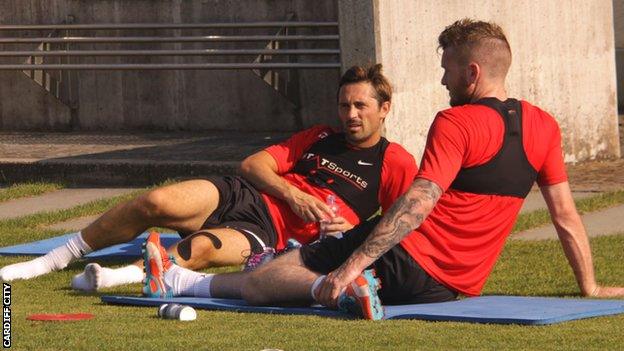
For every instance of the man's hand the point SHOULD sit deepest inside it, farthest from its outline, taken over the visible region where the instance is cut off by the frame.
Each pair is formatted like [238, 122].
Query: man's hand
[307, 207]
[334, 284]
[607, 291]
[334, 226]
[262, 171]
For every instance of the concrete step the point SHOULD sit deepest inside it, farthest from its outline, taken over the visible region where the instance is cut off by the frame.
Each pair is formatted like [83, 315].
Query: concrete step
[57, 200]
[113, 160]
[605, 222]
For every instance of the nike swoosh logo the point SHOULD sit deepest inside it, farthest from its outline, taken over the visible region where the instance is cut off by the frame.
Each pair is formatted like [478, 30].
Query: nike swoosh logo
[362, 163]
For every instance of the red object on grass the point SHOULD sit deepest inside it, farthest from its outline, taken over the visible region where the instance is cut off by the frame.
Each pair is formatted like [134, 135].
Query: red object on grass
[60, 317]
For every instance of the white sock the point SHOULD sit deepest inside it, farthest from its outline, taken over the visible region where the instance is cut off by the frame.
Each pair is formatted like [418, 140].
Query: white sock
[315, 285]
[185, 282]
[95, 277]
[54, 260]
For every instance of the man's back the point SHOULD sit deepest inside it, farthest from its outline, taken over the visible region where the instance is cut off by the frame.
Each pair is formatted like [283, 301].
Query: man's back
[462, 237]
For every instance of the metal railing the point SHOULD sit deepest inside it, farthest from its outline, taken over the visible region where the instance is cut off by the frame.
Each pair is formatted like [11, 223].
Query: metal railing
[168, 66]
[189, 39]
[51, 55]
[205, 52]
[279, 45]
[290, 24]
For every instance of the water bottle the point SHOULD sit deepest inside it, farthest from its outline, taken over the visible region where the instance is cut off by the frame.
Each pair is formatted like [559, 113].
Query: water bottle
[330, 200]
[177, 311]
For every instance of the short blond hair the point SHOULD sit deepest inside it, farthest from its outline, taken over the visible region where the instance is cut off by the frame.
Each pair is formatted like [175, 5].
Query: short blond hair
[478, 40]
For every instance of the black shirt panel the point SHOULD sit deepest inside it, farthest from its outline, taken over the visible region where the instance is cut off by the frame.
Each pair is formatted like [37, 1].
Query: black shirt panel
[509, 172]
[353, 174]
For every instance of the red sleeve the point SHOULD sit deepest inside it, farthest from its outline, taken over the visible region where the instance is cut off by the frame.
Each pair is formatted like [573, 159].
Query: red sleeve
[553, 170]
[397, 174]
[445, 151]
[288, 152]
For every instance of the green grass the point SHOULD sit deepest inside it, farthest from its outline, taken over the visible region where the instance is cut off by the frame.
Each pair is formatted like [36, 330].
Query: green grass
[585, 205]
[525, 268]
[16, 191]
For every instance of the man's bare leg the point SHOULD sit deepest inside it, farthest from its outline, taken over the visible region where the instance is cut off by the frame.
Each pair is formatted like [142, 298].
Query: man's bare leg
[284, 280]
[182, 206]
[203, 249]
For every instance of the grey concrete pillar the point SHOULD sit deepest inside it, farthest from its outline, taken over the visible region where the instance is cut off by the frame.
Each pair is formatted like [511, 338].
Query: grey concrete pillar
[618, 22]
[359, 32]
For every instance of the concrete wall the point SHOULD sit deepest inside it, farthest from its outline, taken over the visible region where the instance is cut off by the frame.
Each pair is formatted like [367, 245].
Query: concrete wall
[166, 100]
[563, 61]
[618, 21]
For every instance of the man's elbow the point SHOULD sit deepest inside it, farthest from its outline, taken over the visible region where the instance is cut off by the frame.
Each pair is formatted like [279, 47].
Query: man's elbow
[245, 167]
[564, 215]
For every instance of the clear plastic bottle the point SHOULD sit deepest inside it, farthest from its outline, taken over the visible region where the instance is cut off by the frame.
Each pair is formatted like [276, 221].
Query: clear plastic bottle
[330, 200]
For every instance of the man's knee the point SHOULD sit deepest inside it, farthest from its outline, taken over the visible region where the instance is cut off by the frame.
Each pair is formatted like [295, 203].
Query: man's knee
[151, 204]
[199, 250]
[181, 201]
[261, 286]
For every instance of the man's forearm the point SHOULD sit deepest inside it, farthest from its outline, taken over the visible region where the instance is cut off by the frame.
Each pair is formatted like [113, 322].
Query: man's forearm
[578, 252]
[407, 214]
[270, 183]
[260, 170]
[571, 233]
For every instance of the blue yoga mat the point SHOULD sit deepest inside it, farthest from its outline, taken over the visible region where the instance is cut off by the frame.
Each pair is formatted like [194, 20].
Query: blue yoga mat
[483, 309]
[131, 249]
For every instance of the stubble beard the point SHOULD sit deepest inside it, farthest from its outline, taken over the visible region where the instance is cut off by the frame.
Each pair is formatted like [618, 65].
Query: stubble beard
[461, 99]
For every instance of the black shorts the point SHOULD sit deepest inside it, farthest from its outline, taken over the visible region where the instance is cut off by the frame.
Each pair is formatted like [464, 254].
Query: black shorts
[242, 208]
[403, 281]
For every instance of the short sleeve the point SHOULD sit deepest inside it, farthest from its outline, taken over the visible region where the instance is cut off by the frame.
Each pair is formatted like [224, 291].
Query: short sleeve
[553, 170]
[444, 152]
[397, 174]
[288, 152]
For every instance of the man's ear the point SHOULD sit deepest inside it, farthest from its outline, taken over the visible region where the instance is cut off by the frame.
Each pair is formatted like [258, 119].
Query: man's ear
[473, 72]
[384, 109]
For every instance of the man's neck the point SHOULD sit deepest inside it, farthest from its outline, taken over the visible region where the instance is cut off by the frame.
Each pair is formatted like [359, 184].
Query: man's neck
[365, 144]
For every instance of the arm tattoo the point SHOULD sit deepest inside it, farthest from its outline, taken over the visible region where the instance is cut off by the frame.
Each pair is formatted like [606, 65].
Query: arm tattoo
[407, 214]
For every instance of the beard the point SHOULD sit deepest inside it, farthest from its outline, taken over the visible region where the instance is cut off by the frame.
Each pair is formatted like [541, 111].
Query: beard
[356, 137]
[459, 100]
[461, 95]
